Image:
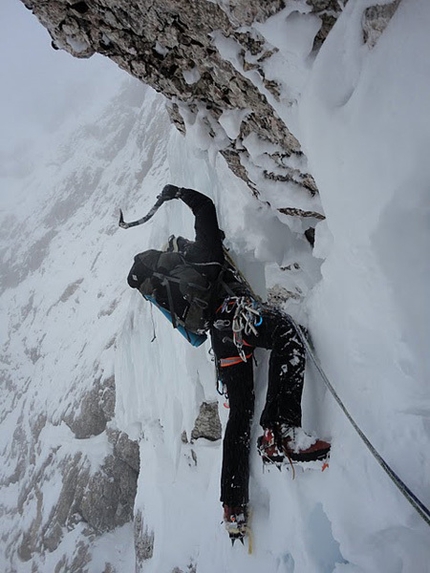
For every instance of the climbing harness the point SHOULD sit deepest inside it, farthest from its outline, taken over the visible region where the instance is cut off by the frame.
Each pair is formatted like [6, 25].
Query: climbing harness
[404, 489]
[245, 319]
[233, 360]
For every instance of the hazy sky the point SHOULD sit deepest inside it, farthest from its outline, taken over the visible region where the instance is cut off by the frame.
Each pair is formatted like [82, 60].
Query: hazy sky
[40, 86]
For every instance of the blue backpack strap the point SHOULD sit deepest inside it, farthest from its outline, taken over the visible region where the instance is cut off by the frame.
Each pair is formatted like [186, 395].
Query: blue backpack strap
[195, 339]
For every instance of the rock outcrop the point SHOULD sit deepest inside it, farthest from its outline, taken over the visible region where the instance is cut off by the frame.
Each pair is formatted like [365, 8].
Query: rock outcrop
[376, 19]
[98, 499]
[208, 423]
[180, 49]
[209, 59]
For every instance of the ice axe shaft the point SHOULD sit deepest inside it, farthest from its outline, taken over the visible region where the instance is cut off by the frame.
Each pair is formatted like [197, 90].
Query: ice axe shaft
[124, 225]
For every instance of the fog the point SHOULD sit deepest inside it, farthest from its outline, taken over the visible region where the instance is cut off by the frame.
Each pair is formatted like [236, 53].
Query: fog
[41, 89]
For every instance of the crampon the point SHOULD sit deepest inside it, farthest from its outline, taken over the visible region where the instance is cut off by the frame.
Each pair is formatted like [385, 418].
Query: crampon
[292, 448]
[236, 523]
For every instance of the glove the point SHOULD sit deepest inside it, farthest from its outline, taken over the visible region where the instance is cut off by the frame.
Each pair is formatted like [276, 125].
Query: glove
[170, 192]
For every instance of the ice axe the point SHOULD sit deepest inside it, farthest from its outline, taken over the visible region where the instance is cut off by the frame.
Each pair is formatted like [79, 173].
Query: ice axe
[124, 225]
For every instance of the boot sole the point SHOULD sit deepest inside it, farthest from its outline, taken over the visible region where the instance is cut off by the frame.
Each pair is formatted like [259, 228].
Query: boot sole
[309, 457]
[284, 461]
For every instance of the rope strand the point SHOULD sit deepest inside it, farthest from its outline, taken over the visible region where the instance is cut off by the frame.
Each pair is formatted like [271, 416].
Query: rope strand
[416, 503]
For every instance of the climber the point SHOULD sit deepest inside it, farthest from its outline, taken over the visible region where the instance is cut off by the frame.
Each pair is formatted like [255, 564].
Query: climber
[238, 323]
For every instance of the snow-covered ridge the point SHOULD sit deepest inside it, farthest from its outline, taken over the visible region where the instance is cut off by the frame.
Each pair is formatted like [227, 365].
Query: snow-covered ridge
[67, 465]
[82, 375]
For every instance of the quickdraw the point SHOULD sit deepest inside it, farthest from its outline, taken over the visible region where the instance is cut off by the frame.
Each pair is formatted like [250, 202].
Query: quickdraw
[245, 320]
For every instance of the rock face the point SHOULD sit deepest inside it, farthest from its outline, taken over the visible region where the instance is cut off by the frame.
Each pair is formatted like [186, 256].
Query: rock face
[97, 499]
[96, 408]
[376, 19]
[176, 47]
[208, 60]
[208, 424]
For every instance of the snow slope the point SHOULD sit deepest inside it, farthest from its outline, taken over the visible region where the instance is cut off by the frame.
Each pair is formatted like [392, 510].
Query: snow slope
[69, 318]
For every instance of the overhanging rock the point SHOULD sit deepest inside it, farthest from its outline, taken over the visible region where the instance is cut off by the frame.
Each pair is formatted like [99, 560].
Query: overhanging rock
[174, 46]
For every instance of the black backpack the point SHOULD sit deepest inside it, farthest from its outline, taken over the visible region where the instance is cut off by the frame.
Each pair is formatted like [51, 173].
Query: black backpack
[179, 286]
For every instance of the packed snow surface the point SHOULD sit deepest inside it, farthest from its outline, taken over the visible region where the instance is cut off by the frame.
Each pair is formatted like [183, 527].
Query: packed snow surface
[68, 316]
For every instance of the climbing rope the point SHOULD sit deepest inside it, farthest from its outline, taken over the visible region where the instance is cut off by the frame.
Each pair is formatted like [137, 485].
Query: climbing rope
[416, 503]
[408, 494]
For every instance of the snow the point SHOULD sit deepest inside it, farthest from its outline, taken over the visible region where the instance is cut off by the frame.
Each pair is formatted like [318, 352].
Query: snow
[77, 46]
[369, 316]
[192, 75]
[68, 316]
[231, 120]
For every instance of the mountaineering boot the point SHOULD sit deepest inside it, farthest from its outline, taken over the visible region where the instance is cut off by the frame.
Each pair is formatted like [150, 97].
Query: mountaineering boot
[268, 449]
[299, 446]
[292, 443]
[236, 521]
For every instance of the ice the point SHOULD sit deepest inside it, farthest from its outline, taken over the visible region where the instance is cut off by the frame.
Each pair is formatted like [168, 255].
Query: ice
[68, 317]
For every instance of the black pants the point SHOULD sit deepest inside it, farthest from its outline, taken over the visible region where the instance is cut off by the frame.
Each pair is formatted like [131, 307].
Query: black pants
[284, 392]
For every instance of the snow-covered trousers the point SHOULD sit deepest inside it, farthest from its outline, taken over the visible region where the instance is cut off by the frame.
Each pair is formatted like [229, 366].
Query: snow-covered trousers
[284, 391]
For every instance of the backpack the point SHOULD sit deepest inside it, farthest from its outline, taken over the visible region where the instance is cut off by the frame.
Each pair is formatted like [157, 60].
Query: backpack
[195, 288]
[189, 294]
[191, 310]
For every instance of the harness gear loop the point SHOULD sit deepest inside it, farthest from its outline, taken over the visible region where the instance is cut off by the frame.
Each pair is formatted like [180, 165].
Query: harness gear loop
[233, 360]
